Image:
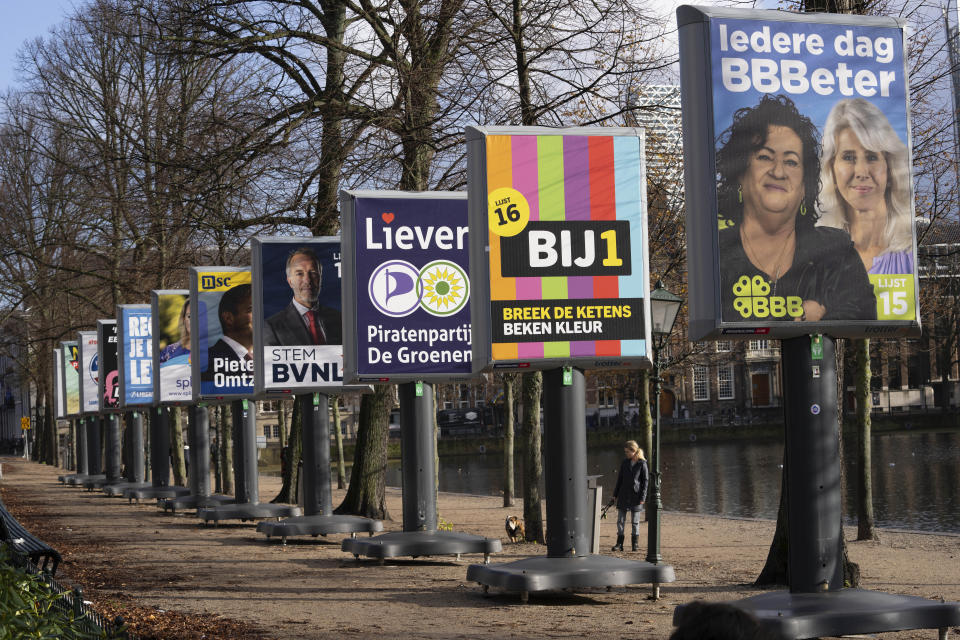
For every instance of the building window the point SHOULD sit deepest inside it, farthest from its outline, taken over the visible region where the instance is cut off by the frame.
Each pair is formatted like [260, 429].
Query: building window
[266, 430]
[268, 406]
[724, 346]
[725, 382]
[276, 431]
[701, 382]
[606, 397]
[759, 345]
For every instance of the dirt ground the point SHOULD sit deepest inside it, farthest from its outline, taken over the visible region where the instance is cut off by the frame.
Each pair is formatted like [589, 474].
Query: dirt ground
[173, 577]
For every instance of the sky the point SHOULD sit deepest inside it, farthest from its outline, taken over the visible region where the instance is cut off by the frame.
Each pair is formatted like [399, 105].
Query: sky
[24, 20]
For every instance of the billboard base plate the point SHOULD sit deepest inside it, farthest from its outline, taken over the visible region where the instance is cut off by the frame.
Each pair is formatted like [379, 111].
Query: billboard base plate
[247, 511]
[93, 482]
[118, 488]
[843, 612]
[545, 573]
[155, 493]
[318, 525]
[196, 502]
[420, 543]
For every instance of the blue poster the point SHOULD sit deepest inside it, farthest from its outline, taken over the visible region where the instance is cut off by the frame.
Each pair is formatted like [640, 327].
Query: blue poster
[137, 354]
[412, 287]
[812, 167]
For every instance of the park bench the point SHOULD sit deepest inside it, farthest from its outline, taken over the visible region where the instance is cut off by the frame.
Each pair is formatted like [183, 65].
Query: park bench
[21, 541]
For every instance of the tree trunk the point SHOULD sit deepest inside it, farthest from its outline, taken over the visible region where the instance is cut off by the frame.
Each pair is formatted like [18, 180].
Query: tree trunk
[532, 459]
[291, 459]
[341, 465]
[366, 495]
[282, 423]
[865, 522]
[508, 481]
[226, 448]
[176, 448]
[215, 447]
[774, 570]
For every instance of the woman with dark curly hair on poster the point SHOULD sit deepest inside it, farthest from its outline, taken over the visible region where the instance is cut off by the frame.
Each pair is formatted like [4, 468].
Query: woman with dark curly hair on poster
[776, 264]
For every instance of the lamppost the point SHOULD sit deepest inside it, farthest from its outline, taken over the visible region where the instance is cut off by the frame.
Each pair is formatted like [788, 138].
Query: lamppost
[664, 307]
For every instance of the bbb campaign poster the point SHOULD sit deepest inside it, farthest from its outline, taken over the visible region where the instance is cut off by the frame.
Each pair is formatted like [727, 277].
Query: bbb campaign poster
[71, 376]
[222, 357]
[108, 387]
[410, 265]
[810, 137]
[297, 314]
[171, 317]
[89, 372]
[136, 354]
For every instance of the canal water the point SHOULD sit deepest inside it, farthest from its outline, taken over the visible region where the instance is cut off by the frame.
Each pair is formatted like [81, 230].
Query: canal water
[916, 478]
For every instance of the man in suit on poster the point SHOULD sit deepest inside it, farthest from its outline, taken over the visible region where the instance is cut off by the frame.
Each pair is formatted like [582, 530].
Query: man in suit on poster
[304, 321]
[236, 319]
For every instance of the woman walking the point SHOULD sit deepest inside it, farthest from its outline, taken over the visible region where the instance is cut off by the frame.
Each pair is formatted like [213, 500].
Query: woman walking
[630, 493]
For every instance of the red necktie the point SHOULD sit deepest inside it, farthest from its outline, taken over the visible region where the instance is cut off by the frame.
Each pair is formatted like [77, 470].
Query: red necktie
[316, 331]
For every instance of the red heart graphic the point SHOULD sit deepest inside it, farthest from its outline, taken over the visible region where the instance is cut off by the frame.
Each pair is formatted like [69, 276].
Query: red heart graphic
[387, 217]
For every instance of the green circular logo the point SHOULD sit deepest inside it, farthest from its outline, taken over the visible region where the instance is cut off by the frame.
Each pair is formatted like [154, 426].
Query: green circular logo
[446, 288]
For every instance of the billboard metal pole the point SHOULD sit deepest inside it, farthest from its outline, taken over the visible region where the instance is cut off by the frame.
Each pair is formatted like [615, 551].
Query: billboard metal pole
[565, 463]
[135, 420]
[112, 428]
[83, 462]
[417, 456]
[316, 454]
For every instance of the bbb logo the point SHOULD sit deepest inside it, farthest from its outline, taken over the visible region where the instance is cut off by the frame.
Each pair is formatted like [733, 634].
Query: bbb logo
[213, 282]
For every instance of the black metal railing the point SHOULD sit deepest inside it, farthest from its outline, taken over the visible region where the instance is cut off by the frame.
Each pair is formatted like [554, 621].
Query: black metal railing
[69, 602]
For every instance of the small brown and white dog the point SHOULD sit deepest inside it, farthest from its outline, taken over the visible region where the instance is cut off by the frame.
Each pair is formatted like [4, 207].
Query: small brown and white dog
[515, 530]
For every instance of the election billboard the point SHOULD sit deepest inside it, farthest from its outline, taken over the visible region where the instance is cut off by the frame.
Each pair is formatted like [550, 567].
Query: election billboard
[170, 313]
[406, 286]
[221, 332]
[558, 249]
[59, 402]
[297, 324]
[136, 354]
[108, 385]
[89, 372]
[71, 377]
[797, 162]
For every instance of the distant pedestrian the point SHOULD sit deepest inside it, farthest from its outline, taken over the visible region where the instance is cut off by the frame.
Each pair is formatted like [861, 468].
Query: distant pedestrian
[630, 493]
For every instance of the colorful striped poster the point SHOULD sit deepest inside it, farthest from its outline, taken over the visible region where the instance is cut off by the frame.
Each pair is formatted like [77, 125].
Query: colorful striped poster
[565, 221]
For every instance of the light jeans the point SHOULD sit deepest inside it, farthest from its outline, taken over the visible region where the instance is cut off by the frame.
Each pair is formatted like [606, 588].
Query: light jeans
[634, 519]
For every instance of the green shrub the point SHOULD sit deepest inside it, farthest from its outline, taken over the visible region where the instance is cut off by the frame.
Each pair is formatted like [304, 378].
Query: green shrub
[30, 608]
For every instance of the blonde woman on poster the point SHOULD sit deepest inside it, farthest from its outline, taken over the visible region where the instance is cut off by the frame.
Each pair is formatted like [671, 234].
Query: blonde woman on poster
[865, 177]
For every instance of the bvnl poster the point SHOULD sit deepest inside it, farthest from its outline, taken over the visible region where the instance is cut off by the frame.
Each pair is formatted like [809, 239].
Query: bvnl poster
[297, 324]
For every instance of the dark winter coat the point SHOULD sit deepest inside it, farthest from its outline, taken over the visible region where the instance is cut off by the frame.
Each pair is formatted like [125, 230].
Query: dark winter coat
[631, 487]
